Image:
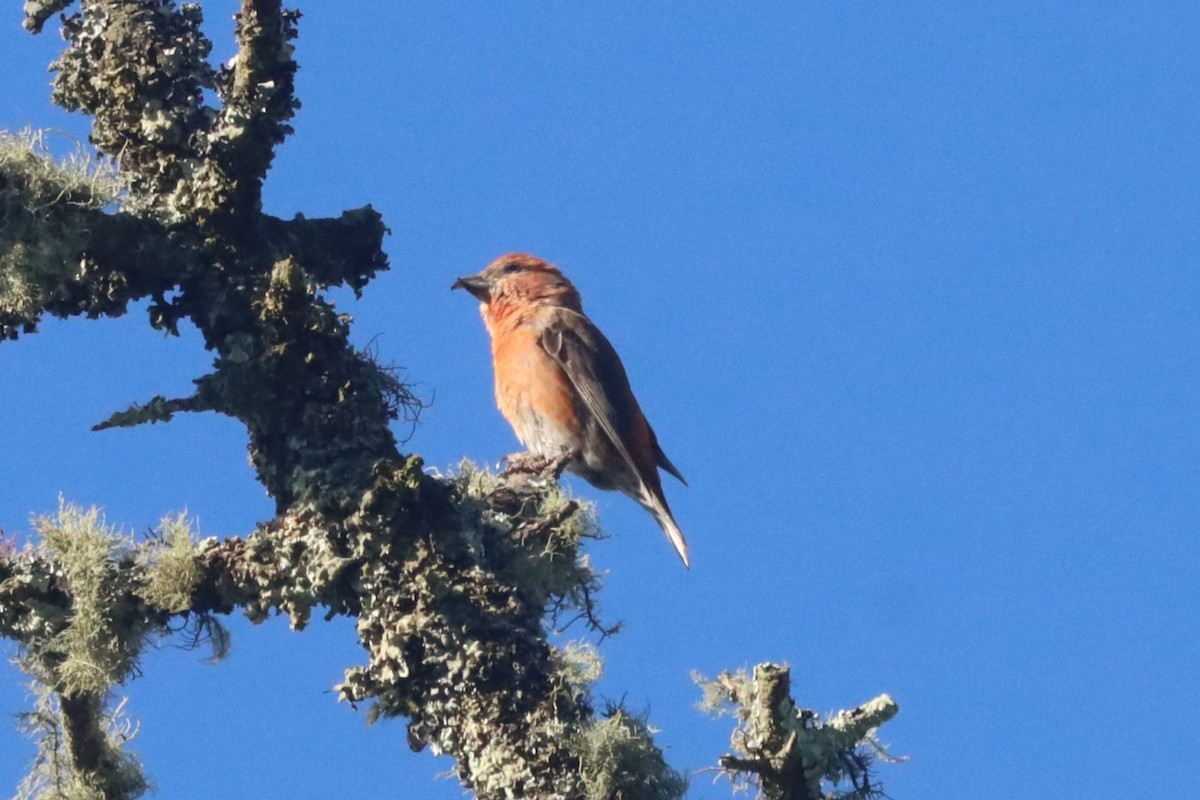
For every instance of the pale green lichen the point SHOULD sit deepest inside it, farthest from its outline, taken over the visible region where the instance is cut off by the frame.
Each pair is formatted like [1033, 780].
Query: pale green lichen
[97, 650]
[551, 527]
[579, 663]
[39, 245]
[78, 177]
[172, 565]
[80, 647]
[53, 775]
[619, 761]
[778, 744]
[454, 625]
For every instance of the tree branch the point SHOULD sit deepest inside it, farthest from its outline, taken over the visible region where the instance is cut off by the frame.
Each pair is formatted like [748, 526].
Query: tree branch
[334, 251]
[789, 751]
[256, 88]
[449, 591]
[61, 252]
[139, 68]
[80, 262]
[38, 11]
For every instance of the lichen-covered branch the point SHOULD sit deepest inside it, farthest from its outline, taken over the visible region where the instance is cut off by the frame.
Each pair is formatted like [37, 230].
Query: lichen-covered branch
[451, 610]
[340, 251]
[38, 11]
[61, 252]
[791, 753]
[74, 609]
[65, 252]
[256, 90]
[81, 749]
[139, 69]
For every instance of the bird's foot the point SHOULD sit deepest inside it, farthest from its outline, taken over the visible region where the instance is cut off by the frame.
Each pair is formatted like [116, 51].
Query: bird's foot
[555, 466]
[523, 462]
[529, 463]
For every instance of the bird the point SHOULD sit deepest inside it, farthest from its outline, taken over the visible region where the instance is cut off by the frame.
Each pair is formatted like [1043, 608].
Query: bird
[562, 386]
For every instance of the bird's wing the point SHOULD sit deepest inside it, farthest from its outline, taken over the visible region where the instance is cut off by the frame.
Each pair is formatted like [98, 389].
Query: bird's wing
[592, 364]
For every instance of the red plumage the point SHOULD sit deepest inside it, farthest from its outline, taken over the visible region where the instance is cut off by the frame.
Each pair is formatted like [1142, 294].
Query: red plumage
[562, 387]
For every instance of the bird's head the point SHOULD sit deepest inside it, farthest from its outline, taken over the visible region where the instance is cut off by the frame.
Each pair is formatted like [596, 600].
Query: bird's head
[519, 279]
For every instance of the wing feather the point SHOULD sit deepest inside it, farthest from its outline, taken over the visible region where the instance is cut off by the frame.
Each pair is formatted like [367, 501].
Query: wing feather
[591, 363]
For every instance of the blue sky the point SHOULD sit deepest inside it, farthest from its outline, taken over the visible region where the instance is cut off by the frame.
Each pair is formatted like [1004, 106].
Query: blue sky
[909, 292]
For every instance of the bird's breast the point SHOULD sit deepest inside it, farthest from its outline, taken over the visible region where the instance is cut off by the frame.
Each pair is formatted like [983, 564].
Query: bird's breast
[534, 394]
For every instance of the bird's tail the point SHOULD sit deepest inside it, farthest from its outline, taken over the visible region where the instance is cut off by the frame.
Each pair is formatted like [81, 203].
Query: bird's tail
[662, 514]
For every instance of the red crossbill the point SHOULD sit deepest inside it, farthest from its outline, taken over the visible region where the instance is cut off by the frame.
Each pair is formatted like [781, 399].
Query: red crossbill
[562, 387]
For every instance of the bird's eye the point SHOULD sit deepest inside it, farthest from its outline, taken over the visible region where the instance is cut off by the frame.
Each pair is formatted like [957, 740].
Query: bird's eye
[511, 267]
